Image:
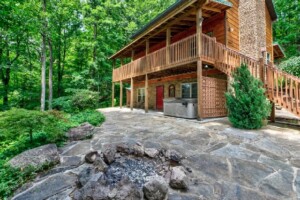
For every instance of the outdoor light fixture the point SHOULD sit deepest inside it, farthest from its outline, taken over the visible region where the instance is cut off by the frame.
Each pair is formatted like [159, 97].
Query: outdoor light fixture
[206, 66]
[201, 19]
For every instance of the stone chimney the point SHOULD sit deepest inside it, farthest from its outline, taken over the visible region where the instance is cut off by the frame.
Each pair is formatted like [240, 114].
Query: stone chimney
[252, 14]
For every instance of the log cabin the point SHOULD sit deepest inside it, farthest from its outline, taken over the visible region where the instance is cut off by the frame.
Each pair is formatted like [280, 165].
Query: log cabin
[181, 62]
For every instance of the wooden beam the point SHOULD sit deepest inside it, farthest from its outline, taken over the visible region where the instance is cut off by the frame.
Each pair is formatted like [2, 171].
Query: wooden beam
[113, 95]
[131, 94]
[272, 117]
[168, 42]
[211, 9]
[146, 94]
[121, 94]
[199, 62]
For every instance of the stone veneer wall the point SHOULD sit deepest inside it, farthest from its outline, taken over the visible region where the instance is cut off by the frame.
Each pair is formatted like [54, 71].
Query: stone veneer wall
[252, 27]
[152, 91]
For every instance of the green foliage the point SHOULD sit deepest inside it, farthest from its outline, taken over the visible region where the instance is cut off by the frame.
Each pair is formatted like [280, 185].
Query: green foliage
[246, 102]
[92, 116]
[291, 66]
[19, 122]
[286, 29]
[77, 101]
[11, 178]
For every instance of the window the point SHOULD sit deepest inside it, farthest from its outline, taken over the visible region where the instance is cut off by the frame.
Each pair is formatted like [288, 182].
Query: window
[172, 90]
[268, 57]
[189, 90]
[141, 95]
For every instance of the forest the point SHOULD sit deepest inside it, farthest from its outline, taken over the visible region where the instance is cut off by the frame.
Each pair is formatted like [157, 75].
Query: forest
[49, 48]
[54, 67]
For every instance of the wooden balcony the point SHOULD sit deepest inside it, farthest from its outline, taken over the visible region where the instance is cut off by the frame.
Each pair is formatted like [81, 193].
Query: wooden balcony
[184, 52]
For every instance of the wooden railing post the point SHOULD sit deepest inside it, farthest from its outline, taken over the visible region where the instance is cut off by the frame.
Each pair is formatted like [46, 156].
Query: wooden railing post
[131, 94]
[146, 94]
[132, 55]
[121, 94]
[199, 62]
[168, 42]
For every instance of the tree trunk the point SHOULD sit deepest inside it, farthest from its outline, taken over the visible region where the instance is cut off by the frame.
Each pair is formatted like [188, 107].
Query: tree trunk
[43, 60]
[59, 73]
[50, 75]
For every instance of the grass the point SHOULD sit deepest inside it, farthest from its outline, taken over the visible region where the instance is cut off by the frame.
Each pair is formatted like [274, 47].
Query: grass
[11, 178]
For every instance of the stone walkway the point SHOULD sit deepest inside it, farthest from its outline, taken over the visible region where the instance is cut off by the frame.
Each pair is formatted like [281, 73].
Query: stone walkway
[226, 163]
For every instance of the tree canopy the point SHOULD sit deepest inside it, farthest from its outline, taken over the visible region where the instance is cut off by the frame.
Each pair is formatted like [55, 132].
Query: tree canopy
[75, 38]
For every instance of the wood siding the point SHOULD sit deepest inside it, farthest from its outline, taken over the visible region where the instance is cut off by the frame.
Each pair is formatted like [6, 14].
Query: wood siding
[216, 25]
[232, 26]
[269, 34]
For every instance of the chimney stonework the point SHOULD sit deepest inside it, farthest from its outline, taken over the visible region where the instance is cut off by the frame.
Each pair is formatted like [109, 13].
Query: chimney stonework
[252, 27]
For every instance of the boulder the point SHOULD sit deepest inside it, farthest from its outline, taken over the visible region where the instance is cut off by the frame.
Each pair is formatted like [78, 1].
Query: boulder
[100, 165]
[86, 174]
[138, 149]
[48, 187]
[81, 132]
[174, 156]
[123, 147]
[71, 161]
[109, 152]
[151, 152]
[178, 178]
[36, 157]
[156, 188]
[91, 157]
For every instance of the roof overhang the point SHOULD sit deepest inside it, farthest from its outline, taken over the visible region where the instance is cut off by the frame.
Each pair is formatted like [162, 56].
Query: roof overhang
[278, 51]
[271, 8]
[163, 19]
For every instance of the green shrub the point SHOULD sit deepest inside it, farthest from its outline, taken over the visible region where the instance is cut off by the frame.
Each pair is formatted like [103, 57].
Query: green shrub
[246, 102]
[18, 122]
[11, 178]
[291, 66]
[78, 100]
[92, 116]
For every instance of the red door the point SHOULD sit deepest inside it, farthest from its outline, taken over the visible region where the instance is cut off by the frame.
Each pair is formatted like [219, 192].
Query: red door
[159, 97]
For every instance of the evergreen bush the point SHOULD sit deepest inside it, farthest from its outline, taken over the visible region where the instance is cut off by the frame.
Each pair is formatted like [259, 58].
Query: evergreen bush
[247, 105]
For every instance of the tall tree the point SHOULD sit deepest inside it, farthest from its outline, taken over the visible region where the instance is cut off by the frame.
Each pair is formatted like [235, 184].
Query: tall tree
[43, 56]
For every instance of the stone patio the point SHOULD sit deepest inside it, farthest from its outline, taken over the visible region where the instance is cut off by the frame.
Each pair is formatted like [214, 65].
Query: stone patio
[223, 162]
[226, 163]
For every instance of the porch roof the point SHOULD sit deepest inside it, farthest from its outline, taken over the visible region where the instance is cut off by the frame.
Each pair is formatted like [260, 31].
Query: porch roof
[181, 11]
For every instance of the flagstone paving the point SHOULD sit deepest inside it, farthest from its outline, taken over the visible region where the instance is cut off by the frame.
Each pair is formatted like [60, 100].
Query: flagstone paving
[226, 163]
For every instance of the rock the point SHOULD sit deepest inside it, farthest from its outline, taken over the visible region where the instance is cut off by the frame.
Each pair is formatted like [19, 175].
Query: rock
[174, 156]
[178, 178]
[99, 189]
[123, 147]
[80, 148]
[100, 165]
[86, 174]
[109, 152]
[48, 187]
[71, 161]
[151, 152]
[81, 132]
[156, 188]
[176, 196]
[138, 149]
[91, 157]
[36, 157]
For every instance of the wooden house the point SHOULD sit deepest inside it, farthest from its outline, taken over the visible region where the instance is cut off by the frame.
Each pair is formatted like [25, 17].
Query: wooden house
[190, 51]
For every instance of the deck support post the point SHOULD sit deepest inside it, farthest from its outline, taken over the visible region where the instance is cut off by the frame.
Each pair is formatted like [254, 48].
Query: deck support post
[121, 94]
[131, 94]
[147, 52]
[272, 117]
[199, 62]
[113, 94]
[168, 42]
[146, 94]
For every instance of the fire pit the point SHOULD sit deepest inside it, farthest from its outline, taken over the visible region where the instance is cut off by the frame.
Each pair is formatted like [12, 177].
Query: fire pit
[130, 171]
